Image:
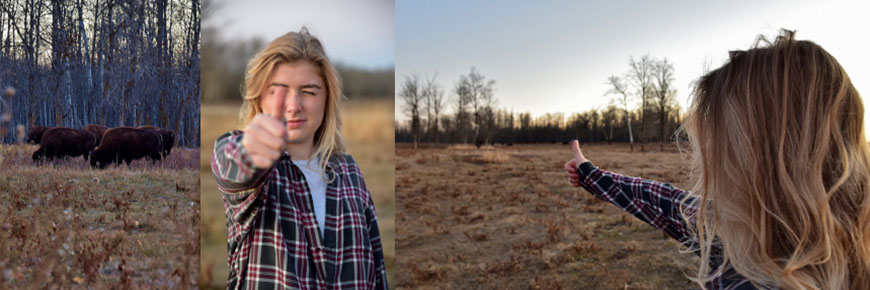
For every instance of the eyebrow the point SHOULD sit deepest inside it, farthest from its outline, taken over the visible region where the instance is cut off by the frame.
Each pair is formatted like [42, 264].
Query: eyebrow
[308, 86]
[311, 86]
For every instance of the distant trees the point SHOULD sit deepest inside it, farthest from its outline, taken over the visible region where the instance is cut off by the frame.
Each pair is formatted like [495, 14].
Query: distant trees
[478, 92]
[665, 94]
[434, 96]
[641, 75]
[606, 125]
[413, 97]
[224, 74]
[475, 117]
[621, 88]
[117, 63]
[422, 96]
[652, 81]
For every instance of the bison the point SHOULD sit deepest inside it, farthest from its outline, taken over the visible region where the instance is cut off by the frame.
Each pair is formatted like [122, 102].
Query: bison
[126, 144]
[61, 142]
[35, 134]
[97, 130]
[168, 138]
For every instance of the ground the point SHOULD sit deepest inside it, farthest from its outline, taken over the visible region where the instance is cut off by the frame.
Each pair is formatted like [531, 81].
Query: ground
[506, 218]
[66, 225]
[368, 132]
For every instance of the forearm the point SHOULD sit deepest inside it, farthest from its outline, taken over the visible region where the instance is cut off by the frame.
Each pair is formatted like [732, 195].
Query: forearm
[656, 203]
[239, 182]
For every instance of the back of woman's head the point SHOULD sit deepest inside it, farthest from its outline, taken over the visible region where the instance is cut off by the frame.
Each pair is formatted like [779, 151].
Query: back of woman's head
[778, 136]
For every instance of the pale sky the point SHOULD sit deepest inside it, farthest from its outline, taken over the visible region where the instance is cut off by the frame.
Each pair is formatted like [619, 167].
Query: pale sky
[556, 56]
[357, 33]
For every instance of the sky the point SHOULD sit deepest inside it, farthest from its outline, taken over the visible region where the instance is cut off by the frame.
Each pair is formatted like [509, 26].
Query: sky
[356, 33]
[556, 56]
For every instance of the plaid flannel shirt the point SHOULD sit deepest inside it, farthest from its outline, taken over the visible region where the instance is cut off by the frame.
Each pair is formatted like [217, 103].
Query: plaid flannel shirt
[658, 204]
[274, 241]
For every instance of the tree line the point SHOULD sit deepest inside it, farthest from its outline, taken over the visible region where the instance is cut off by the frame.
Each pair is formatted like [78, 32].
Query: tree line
[110, 62]
[224, 74]
[643, 109]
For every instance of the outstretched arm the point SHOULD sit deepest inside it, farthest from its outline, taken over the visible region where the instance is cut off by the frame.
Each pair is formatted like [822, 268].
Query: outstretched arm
[656, 203]
[242, 160]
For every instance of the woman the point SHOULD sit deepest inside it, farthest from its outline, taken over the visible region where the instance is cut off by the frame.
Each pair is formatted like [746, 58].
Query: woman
[298, 211]
[783, 199]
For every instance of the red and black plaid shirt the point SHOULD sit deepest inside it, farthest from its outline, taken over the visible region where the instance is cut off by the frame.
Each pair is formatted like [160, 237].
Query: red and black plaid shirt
[274, 241]
[658, 204]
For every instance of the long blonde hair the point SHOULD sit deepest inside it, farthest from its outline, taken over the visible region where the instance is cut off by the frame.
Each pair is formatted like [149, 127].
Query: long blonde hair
[288, 48]
[778, 140]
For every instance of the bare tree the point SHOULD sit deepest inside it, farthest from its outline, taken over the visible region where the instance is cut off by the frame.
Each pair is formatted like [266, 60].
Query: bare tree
[664, 93]
[434, 97]
[412, 96]
[621, 88]
[462, 122]
[480, 95]
[641, 75]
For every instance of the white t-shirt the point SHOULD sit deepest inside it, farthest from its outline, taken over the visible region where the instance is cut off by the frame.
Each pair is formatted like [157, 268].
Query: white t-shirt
[317, 185]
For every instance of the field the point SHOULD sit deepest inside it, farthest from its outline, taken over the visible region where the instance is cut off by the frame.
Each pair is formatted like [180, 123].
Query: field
[506, 218]
[65, 225]
[368, 131]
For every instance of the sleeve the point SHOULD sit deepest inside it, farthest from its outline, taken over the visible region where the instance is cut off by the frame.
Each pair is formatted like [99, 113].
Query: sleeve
[231, 165]
[238, 180]
[656, 203]
[373, 231]
[377, 247]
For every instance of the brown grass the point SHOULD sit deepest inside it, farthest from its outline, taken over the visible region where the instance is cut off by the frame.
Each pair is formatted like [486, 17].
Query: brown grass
[66, 225]
[494, 156]
[507, 217]
[368, 131]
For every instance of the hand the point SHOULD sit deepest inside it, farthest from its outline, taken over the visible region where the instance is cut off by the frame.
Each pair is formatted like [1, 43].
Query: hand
[571, 165]
[266, 136]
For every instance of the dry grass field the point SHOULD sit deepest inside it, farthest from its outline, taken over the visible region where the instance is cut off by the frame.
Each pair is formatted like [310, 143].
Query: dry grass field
[369, 133]
[65, 225]
[506, 218]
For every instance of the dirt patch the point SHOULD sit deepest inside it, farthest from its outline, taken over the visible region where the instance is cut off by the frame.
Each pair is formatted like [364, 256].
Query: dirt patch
[513, 222]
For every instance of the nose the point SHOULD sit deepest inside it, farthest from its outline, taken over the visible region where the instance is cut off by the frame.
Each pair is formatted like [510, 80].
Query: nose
[294, 101]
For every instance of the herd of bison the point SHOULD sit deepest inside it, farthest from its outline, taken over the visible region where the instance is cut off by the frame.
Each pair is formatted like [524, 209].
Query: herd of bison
[101, 144]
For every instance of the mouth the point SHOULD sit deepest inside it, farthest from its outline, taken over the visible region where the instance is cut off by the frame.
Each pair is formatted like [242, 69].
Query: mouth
[292, 124]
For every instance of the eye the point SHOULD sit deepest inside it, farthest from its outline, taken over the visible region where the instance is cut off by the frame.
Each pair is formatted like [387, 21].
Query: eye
[310, 93]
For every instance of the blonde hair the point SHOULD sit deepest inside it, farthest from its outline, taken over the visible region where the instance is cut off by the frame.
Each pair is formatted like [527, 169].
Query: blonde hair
[289, 48]
[778, 141]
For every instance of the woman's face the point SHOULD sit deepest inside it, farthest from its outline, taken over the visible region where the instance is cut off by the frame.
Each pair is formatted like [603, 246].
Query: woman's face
[302, 89]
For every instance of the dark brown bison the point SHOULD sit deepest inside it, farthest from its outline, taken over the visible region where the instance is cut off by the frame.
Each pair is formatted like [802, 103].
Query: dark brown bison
[35, 134]
[168, 138]
[126, 144]
[97, 130]
[61, 142]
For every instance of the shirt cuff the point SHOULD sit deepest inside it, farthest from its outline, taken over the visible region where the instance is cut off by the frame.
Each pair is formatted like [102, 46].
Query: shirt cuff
[585, 168]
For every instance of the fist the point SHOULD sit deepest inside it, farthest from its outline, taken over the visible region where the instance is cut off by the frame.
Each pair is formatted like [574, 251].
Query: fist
[266, 136]
[571, 165]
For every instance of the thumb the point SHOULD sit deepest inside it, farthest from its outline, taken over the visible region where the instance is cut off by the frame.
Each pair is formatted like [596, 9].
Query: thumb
[576, 146]
[279, 93]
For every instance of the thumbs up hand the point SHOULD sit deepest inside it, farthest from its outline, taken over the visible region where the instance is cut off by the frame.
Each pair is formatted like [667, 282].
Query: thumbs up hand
[571, 165]
[278, 94]
[266, 136]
